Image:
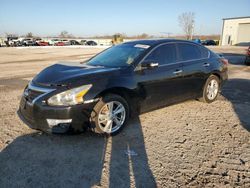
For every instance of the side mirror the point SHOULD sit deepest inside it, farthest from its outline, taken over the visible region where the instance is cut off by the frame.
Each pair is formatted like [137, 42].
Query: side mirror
[149, 65]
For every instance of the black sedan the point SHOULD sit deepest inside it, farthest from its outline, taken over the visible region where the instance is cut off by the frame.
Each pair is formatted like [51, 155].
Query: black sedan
[209, 43]
[130, 78]
[91, 43]
[74, 42]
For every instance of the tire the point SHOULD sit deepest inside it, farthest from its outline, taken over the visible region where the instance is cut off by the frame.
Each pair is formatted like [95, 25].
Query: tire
[207, 96]
[100, 112]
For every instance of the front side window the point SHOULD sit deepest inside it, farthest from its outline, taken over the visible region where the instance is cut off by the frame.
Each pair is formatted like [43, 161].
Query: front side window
[165, 54]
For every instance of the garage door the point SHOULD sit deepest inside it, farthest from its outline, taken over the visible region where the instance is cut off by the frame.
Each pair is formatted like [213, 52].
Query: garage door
[244, 33]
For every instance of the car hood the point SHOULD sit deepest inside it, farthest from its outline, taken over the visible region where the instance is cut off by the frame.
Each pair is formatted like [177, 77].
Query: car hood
[67, 73]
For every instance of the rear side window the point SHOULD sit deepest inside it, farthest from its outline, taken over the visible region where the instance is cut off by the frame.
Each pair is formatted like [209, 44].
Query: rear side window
[191, 52]
[204, 52]
[164, 54]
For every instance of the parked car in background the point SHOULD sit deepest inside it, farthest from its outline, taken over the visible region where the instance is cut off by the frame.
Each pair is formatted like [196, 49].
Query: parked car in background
[13, 41]
[74, 42]
[66, 42]
[91, 43]
[247, 61]
[42, 43]
[2, 42]
[28, 42]
[132, 77]
[37, 40]
[83, 42]
[198, 41]
[17, 42]
[59, 43]
[209, 43]
[52, 42]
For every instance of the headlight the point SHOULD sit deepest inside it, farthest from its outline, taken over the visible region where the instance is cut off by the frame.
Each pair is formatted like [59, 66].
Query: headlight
[69, 97]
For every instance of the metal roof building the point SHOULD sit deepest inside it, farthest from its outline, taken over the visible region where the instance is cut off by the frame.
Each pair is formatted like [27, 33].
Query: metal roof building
[235, 30]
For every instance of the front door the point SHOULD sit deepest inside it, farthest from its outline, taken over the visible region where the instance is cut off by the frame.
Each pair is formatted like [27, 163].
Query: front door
[161, 85]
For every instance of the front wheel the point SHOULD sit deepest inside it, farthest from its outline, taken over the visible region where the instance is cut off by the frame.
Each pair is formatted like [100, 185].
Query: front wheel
[210, 89]
[109, 115]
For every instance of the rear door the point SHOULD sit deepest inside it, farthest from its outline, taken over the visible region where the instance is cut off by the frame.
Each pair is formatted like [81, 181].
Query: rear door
[162, 84]
[196, 67]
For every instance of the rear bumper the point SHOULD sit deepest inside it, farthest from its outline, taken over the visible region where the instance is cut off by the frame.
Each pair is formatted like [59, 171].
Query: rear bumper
[72, 118]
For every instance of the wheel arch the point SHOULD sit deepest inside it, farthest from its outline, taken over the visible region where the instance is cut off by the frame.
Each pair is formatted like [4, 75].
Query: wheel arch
[129, 95]
[216, 73]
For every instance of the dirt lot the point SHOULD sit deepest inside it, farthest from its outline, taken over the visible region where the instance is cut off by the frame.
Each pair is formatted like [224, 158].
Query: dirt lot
[188, 144]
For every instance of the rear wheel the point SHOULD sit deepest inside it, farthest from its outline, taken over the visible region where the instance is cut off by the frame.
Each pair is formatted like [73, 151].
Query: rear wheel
[110, 115]
[211, 89]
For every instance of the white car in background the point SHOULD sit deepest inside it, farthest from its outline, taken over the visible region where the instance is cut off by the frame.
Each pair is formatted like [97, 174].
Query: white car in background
[2, 42]
[66, 42]
[52, 42]
[28, 42]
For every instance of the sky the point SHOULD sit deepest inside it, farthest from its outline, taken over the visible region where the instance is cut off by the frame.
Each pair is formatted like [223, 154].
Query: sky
[106, 17]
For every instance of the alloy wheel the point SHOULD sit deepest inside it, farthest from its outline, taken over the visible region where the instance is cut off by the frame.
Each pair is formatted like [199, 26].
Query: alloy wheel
[111, 116]
[212, 89]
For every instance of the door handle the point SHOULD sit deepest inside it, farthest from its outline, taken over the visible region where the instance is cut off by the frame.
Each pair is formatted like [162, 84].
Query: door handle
[206, 64]
[177, 72]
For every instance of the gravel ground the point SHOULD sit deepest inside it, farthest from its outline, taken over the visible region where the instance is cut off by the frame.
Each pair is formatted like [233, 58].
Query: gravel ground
[187, 144]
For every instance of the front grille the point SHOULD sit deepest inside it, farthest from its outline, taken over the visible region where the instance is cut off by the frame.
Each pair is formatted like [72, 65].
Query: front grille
[30, 94]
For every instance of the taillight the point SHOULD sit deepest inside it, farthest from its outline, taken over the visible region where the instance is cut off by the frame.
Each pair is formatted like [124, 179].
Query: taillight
[224, 61]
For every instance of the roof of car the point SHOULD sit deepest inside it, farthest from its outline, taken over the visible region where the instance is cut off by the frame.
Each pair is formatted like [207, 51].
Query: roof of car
[153, 42]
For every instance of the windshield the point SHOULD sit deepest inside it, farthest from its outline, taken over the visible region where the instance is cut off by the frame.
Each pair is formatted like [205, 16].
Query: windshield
[118, 56]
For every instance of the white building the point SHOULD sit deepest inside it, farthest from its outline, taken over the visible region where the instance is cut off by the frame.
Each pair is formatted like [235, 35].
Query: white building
[235, 30]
